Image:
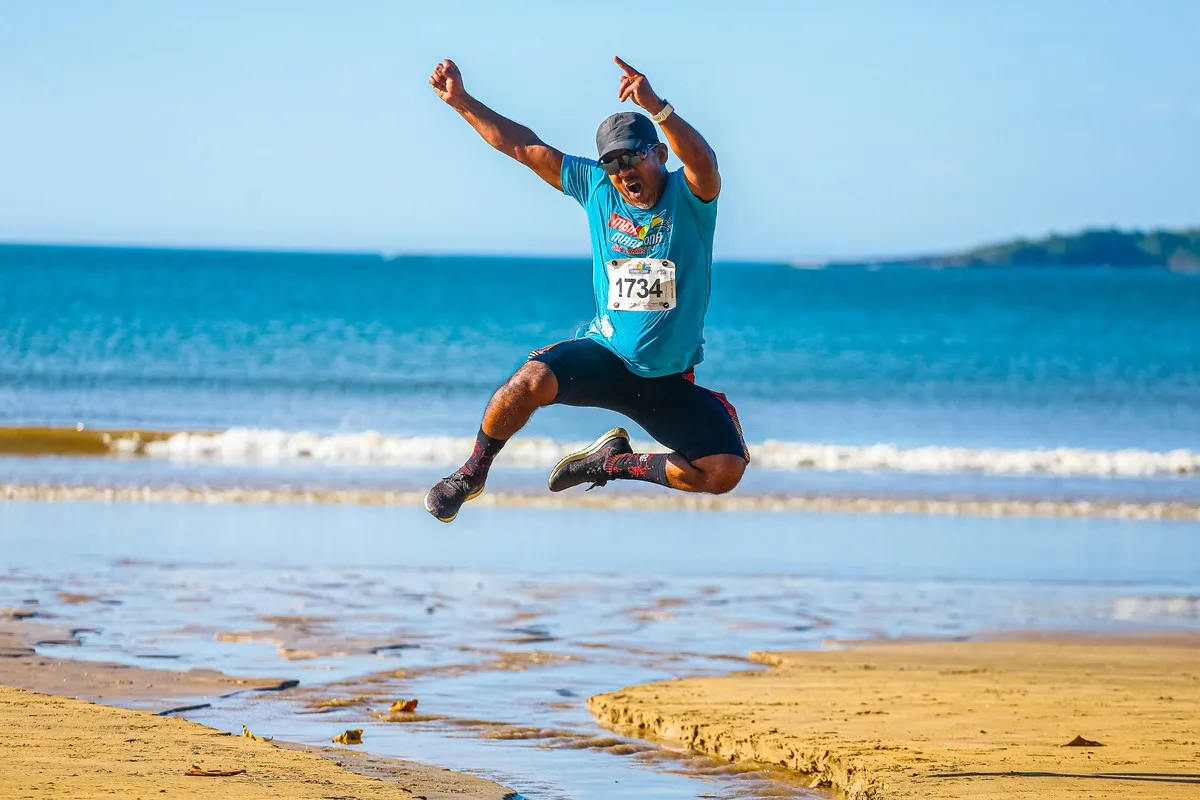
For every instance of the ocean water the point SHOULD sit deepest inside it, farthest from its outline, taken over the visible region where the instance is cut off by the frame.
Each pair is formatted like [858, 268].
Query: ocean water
[360, 360]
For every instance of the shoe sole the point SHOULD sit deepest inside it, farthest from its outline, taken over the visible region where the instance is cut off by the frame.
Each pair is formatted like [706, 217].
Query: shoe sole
[453, 516]
[590, 450]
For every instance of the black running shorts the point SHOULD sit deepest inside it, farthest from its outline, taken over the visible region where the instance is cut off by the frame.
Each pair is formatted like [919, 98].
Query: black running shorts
[691, 420]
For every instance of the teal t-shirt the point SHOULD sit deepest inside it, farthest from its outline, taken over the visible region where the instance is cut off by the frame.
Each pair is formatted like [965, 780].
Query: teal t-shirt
[651, 269]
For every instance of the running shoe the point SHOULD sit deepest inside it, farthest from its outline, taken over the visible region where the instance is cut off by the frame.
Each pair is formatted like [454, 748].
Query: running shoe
[587, 465]
[448, 495]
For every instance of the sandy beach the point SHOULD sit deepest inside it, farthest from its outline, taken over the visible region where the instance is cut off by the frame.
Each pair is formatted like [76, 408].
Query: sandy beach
[56, 747]
[238, 603]
[61, 747]
[985, 719]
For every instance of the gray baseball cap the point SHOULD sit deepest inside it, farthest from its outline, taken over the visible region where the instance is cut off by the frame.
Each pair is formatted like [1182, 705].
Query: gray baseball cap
[625, 131]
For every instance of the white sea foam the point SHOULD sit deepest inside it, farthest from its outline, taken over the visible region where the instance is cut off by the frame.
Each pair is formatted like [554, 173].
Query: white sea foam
[1143, 608]
[274, 446]
[1060, 461]
[681, 501]
[371, 447]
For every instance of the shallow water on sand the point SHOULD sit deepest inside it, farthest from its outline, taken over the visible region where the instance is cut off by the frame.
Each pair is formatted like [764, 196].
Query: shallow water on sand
[504, 623]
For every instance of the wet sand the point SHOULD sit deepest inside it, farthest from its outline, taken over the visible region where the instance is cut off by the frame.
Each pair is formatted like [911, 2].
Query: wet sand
[148, 689]
[983, 719]
[61, 747]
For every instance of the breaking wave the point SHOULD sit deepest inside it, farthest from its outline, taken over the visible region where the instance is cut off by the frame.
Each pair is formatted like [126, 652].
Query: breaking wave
[1059, 461]
[375, 448]
[246, 445]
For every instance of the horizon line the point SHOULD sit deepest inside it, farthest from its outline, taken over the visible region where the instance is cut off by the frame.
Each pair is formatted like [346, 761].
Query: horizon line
[804, 260]
[381, 253]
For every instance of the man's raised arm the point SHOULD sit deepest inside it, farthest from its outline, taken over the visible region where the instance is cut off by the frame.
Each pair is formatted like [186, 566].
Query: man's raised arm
[500, 132]
[699, 160]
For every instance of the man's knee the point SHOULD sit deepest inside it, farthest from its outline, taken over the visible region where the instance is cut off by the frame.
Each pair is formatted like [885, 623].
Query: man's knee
[721, 472]
[536, 380]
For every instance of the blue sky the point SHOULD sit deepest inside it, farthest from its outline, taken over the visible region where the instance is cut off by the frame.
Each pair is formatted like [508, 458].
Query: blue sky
[842, 128]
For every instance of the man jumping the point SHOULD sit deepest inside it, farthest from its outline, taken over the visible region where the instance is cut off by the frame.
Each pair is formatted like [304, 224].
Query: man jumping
[652, 238]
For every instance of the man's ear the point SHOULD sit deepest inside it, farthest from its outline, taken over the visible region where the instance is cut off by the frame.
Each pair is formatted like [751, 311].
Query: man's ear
[663, 153]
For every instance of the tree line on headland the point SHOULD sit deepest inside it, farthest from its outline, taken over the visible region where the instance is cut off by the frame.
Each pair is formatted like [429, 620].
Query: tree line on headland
[1178, 250]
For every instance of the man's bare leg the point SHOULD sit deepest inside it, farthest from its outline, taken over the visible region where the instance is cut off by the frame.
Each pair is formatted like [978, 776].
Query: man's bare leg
[530, 388]
[611, 458]
[712, 474]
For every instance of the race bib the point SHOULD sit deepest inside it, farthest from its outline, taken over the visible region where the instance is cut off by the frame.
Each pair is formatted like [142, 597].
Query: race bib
[641, 284]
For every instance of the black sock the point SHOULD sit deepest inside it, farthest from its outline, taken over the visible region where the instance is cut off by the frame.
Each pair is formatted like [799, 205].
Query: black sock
[651, 468]
[486, 449]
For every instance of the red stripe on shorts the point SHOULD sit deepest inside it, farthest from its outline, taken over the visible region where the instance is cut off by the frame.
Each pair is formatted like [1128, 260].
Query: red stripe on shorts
[690, 377]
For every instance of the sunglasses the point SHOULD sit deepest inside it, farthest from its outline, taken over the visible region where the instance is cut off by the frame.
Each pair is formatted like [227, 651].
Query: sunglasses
[624, 161]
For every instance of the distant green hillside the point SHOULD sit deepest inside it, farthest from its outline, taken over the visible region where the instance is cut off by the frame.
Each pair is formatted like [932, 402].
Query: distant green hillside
[1175, 249]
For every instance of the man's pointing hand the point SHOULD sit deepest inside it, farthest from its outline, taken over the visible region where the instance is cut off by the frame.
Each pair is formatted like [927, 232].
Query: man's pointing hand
[634, 84]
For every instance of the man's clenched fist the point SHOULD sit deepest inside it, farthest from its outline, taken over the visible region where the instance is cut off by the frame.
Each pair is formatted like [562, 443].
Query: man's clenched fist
[447, 81]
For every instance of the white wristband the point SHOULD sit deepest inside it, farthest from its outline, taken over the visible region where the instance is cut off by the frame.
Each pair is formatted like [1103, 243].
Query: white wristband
[667, 110]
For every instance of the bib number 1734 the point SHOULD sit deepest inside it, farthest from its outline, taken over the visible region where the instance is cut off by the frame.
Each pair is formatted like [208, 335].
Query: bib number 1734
[641, 284]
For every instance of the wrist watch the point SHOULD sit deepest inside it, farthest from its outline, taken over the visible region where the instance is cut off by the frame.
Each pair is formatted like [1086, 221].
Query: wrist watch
[667, 110]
